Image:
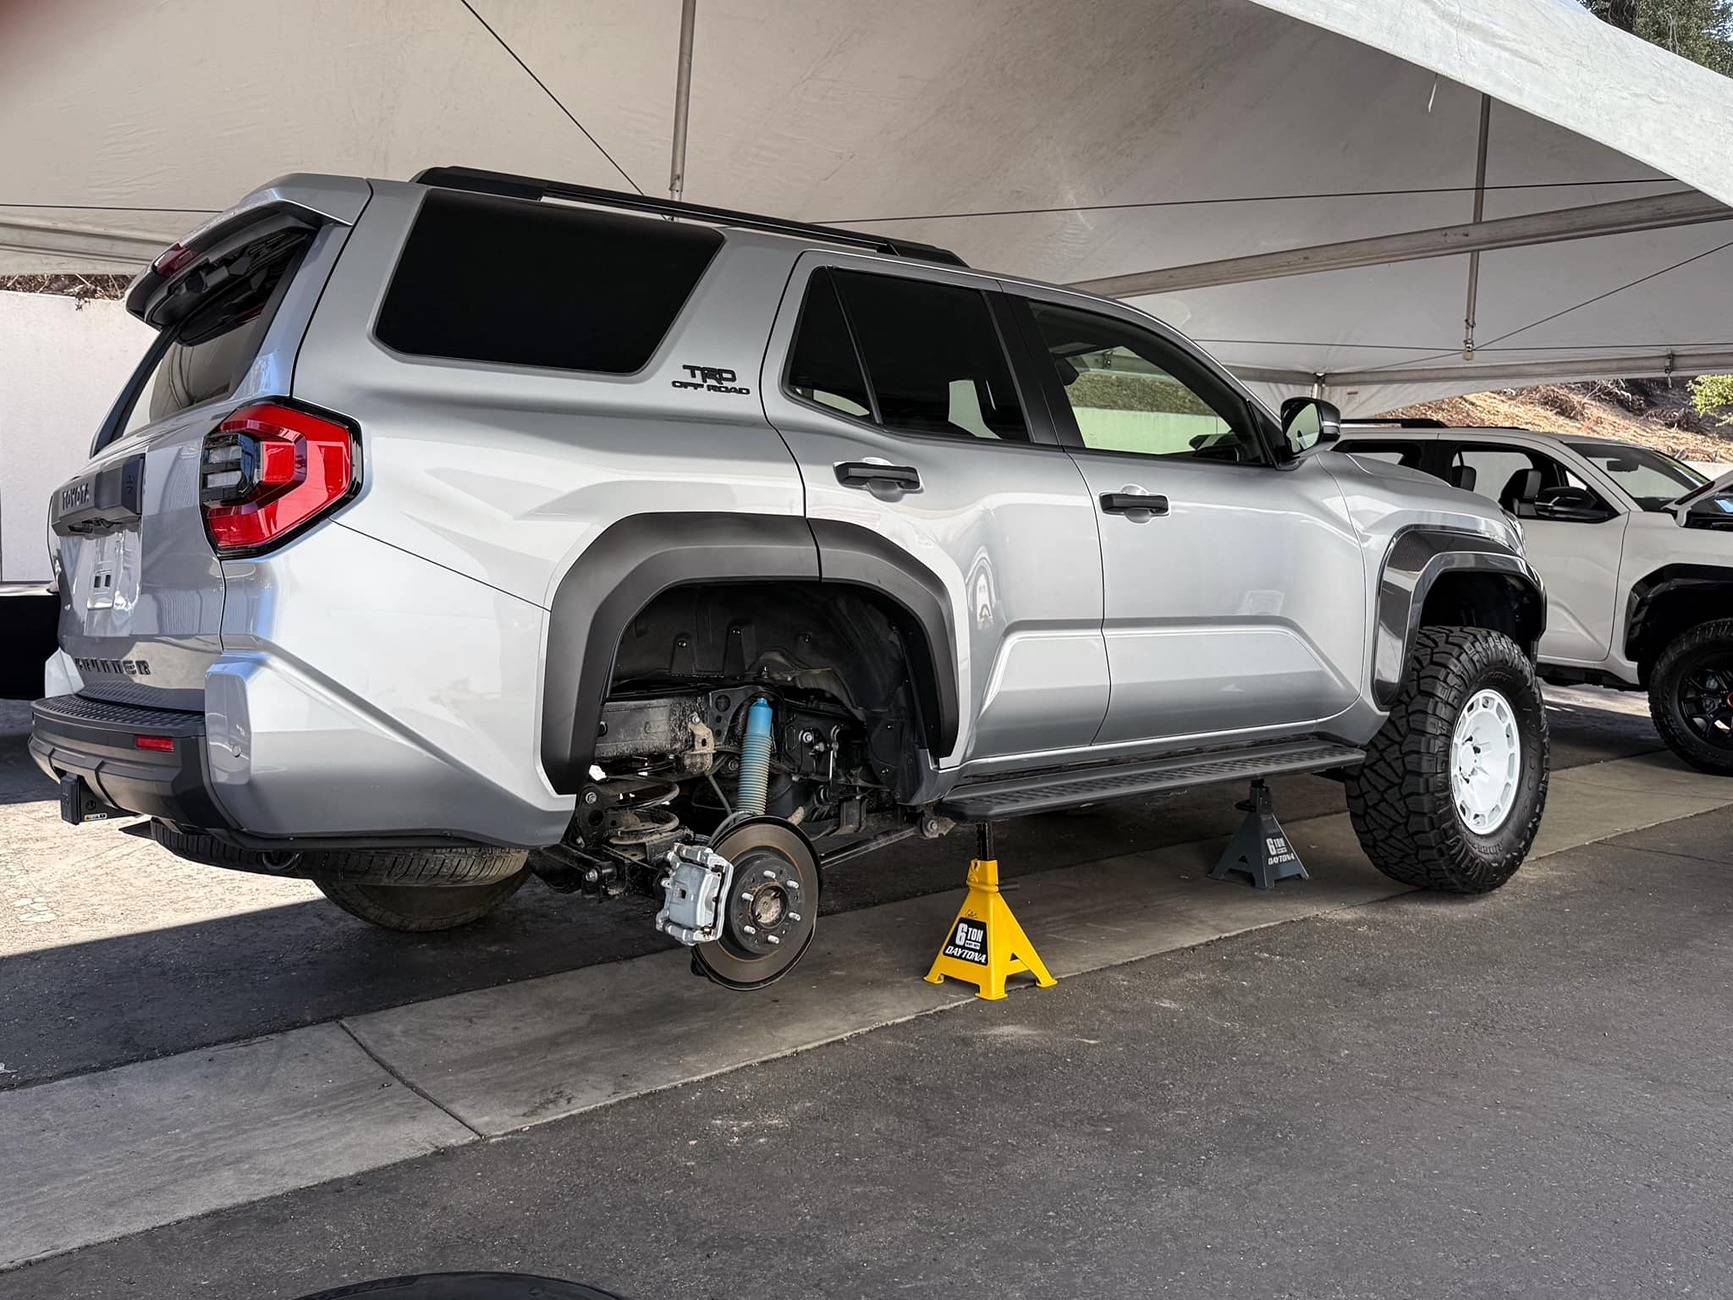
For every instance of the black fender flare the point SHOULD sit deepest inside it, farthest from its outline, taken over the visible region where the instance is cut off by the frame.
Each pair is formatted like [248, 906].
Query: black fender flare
[1664, 581]
[637, 559]
[1417, 558]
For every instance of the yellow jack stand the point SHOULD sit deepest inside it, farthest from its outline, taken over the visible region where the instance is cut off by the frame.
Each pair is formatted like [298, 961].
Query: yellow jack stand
[985, 945]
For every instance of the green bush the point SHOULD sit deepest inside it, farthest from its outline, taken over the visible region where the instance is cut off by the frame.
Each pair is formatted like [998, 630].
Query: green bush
[1711, 395]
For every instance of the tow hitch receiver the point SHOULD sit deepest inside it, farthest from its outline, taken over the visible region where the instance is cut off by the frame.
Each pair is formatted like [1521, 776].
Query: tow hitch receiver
[80, 804]
[698, 878]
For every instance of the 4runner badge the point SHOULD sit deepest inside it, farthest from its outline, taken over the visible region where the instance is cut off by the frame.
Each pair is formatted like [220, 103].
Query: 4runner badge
[709, 379]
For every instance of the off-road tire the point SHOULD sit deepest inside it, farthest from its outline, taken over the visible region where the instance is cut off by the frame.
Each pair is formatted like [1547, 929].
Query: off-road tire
[1685, 652]
[1400, 799]
[417, 909]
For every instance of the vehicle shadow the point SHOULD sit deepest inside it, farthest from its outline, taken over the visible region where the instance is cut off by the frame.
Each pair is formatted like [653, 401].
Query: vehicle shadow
[91, 1002]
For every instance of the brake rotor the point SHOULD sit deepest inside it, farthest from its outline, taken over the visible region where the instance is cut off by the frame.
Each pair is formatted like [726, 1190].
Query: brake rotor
[771, 910]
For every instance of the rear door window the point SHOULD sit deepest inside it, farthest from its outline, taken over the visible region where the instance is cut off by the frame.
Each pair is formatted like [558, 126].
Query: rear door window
[527, 283]
[913, 355]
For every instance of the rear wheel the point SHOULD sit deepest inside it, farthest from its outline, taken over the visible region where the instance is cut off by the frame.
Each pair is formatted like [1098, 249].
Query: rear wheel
[771, 911]
[1451, 793]
[418, 909]
[1691, 696]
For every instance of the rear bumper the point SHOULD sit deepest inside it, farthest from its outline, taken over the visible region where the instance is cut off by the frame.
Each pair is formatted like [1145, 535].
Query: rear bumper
[97, 740]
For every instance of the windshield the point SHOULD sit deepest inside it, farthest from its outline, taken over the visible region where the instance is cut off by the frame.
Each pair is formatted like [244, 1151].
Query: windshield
[1651, 478]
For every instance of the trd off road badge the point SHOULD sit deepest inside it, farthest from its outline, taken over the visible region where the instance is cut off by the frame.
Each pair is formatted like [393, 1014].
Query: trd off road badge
[710, 379]
[968, 941]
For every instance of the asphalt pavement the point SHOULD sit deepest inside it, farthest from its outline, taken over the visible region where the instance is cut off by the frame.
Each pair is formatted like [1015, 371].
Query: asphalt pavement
[1525, 1094]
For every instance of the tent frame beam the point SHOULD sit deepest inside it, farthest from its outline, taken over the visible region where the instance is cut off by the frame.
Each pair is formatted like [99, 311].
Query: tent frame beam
[65, 239]
[1650, 365]
[1625, 216]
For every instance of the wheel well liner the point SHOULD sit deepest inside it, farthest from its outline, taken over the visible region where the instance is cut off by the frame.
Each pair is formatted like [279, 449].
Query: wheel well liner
[1442, 575]
[1670, 600]
[638, 559]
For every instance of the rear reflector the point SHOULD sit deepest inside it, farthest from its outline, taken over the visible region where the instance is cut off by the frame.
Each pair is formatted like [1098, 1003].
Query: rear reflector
[165, 744]
[270, 470]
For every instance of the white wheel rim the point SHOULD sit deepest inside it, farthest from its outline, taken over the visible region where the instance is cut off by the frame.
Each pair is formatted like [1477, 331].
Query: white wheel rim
[1485, 762]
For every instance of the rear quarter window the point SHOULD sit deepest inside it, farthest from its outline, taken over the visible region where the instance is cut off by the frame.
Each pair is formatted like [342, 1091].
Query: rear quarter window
[526, 283]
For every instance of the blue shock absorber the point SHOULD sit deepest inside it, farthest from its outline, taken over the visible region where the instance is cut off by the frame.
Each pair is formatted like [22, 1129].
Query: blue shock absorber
[755, 760]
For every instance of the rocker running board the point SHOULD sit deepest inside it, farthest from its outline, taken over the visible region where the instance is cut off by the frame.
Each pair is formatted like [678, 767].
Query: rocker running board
[1014, 796]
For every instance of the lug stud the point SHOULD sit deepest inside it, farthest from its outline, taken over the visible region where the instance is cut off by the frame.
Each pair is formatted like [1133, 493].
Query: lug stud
[773, 938]
[747, 929]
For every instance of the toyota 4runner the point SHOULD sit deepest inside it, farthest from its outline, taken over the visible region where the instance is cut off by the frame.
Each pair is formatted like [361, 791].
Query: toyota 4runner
[476, 527]
[1637, 552]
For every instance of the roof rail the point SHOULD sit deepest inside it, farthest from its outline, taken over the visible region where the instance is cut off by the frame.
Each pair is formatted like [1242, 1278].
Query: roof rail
[477, 181]
[1417, 422]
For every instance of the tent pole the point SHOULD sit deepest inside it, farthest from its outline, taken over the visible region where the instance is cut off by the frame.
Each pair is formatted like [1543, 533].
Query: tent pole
[1479, 216]
[682, 100]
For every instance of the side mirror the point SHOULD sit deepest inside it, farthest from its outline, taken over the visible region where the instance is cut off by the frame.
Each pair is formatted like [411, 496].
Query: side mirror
[1308, 423]
[1572, 505]
[1712, 511]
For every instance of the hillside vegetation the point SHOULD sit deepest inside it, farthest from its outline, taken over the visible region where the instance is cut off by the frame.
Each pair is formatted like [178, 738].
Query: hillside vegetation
[1653, 413]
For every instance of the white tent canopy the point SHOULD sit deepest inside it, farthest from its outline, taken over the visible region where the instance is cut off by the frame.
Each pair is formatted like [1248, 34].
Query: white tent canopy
[1294, 182]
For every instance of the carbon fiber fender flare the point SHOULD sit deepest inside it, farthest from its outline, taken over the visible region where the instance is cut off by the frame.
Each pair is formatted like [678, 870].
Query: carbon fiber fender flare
[1418, 557]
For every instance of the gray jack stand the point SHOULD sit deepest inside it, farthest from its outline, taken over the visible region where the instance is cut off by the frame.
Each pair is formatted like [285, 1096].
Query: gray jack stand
[1260, 849]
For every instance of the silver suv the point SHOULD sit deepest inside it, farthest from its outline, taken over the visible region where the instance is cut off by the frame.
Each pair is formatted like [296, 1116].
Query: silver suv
[1637, 552]
[477, 519]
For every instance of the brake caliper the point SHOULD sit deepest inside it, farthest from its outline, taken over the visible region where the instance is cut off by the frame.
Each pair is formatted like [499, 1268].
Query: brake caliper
[697, 880]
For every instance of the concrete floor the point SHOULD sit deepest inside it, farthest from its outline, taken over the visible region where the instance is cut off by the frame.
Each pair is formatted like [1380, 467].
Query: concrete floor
[1521, 1094]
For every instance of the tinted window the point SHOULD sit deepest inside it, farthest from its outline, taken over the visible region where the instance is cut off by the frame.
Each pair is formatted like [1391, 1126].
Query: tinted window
[825, 367]
[1132, 391]
[533, 284]
[932, 355]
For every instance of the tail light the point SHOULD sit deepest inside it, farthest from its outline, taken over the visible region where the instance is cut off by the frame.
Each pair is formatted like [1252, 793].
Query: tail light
[270, 470]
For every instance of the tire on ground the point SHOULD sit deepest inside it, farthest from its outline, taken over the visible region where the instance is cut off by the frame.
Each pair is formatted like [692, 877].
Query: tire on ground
[1688, 652]
[1400, 799]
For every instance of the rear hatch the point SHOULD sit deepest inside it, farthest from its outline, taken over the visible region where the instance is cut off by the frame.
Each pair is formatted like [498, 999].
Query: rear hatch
[141, 588]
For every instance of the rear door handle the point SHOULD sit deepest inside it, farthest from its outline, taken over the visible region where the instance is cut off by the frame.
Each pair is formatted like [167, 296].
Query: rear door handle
[1126, 503]
[864, 474]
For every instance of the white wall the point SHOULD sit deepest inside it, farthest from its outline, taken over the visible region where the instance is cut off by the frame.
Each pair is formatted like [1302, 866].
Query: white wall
[61, 366]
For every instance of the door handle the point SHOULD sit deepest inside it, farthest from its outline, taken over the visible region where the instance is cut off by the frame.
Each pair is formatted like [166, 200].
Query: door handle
[1127, 503]
[866, 474]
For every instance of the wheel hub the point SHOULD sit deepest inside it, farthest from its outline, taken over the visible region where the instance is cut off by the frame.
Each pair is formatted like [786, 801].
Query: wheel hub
[765, 909]
[1485, 762]
[1706, 700]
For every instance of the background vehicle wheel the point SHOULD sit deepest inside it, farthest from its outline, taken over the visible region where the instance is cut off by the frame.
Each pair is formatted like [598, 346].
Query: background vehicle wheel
[771, 910]
[418, 909]
[1691, 696]
[1451, 793]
